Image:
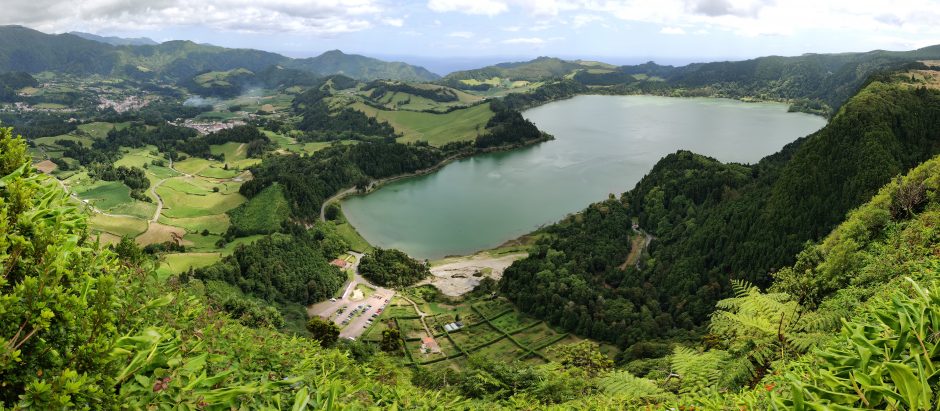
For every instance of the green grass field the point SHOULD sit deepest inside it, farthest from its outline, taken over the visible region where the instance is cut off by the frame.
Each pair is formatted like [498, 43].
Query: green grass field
[436, 129]
[118, 225]
[493, 329]
[180, 262]
[185, 200]
[291, 145]
[99, 130]
[115, 198]
[219, 172]
[52, 141]
[264, 213]
[236, 155]
[192, 165]
[215, 223]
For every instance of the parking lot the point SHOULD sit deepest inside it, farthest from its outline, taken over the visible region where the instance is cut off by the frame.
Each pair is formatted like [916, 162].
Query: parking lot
[353, 312]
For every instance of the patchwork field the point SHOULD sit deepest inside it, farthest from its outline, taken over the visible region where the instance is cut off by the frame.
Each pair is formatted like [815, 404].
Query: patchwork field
[113, 197]
[491, 328]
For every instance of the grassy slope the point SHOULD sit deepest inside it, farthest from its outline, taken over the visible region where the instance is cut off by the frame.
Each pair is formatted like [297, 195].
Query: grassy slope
[436, 129]
[264, 213]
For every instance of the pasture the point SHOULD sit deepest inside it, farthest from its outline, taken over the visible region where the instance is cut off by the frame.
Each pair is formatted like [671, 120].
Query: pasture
[186, 199]
[436, 129]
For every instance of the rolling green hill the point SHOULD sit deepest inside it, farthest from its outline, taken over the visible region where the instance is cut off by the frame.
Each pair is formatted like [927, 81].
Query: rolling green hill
[27, 50]
[539, 69]
[361, 67]
[23, 49]
[116, 41]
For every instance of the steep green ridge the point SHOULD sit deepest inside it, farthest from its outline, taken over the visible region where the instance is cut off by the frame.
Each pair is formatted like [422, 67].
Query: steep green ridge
[361, 67]
[716, 222]
[539, 69]
[849, 325]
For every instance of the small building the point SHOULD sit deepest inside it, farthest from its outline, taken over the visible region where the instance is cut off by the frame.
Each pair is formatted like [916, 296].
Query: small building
[339, 262]
[453, 326]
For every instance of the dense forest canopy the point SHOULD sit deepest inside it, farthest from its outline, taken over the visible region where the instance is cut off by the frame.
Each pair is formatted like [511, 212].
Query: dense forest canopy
[392, 268]
[280, 268]
[716, 222]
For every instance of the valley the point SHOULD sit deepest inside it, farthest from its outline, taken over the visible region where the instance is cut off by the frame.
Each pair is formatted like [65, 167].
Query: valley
[193, 226]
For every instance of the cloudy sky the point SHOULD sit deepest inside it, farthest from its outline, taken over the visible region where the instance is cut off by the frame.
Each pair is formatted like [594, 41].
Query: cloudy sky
[620, 31]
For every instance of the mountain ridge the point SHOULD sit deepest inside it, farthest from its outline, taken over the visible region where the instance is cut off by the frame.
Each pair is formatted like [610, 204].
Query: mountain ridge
[28, 50]
[114, 40]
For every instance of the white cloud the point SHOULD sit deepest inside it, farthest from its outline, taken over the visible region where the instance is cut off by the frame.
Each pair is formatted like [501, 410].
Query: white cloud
[538, 8]
[308, 16]
[481, 7]
[672, 30]
[582, 20]
[525, 40]
[777, 17]
[394, 22]
[461, 34]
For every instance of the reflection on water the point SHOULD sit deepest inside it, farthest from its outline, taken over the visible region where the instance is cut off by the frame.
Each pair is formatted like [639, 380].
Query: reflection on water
[604, 144]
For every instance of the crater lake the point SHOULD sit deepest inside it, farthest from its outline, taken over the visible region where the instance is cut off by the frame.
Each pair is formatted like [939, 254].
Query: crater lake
[603, 145]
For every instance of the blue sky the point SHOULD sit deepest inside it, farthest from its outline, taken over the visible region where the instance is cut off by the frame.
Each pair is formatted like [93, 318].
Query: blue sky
[447, 34]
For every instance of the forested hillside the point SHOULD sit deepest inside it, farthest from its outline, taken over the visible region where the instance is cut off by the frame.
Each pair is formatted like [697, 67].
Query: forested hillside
[24, 49]
[815, 83]
[714, 223]
[535, 70]
[361, 67]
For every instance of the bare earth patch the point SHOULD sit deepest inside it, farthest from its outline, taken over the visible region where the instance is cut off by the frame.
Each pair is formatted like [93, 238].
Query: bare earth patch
[161, 233]
[639, 242]
[458, 276]
[46, 166]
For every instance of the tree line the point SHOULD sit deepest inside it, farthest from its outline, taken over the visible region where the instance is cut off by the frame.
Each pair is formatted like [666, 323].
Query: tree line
[716, 222]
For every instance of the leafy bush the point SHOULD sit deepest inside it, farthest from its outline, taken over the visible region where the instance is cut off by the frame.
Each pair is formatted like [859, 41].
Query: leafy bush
[392, 268]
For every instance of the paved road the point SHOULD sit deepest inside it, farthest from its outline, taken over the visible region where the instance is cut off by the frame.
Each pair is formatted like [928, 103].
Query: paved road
[358, 324]
[339, 195]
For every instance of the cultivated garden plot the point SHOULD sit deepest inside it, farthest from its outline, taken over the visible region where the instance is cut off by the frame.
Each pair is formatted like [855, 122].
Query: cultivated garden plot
[508, 335]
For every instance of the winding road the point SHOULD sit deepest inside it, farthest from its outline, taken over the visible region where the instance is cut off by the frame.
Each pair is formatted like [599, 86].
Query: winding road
[358, 324]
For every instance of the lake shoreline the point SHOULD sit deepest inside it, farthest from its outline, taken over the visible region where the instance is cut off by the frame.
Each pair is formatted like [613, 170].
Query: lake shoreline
[377, 184]
[393, 234]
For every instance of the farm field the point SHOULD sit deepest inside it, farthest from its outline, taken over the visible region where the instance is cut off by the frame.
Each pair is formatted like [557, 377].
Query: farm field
[291, 145]
[193, 204]
[436, 129]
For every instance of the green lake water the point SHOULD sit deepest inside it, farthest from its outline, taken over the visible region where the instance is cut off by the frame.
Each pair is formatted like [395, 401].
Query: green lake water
[603, 145]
